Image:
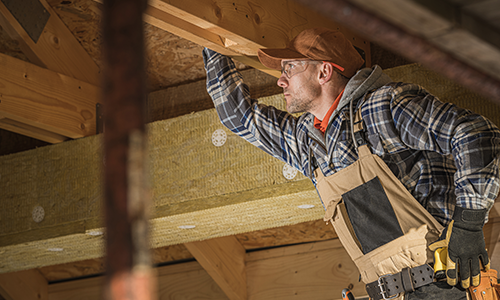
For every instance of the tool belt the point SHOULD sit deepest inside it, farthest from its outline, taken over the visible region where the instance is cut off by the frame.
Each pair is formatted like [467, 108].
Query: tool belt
[391, 285]
[488, 288]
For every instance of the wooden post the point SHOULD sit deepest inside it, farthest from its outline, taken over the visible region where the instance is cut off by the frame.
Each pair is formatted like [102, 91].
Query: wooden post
[129, 274]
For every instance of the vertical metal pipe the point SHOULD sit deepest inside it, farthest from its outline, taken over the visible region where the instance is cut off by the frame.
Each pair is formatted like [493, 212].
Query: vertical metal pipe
[406, 44]
[128, 266]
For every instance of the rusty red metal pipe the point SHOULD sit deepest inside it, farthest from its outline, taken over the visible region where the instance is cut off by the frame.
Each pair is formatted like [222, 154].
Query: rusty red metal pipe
[128, 266]
[408, 45]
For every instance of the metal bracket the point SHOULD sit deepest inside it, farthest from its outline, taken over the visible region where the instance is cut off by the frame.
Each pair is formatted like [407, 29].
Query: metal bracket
[99, 122]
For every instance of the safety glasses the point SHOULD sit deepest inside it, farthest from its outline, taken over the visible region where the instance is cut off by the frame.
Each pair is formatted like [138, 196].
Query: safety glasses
[291, 68]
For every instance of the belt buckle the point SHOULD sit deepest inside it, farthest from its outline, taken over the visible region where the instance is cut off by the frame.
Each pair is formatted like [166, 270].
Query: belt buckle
[381, 286]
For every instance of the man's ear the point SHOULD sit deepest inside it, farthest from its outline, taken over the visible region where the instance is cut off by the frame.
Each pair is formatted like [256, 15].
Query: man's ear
[325, 73]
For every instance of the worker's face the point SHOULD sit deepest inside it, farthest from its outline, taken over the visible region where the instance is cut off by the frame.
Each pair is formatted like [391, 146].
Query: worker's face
[300, 86]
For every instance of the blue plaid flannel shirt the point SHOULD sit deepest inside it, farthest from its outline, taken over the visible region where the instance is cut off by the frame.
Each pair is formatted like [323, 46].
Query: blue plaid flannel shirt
[444, 155]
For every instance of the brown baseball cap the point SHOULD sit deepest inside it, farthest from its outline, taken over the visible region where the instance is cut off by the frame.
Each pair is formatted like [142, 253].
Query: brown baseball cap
[320, 44]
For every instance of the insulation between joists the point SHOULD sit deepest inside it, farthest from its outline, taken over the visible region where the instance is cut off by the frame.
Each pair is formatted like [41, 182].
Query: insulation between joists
[199, 190]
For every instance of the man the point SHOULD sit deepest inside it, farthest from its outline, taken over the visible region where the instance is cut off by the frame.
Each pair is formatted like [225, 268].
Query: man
[393, 165]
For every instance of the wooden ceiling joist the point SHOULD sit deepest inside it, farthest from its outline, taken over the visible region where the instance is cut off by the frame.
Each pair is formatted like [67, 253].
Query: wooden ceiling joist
[224, 260]
[417, 33]
[239, 28]
[44, 104]
[56, 48]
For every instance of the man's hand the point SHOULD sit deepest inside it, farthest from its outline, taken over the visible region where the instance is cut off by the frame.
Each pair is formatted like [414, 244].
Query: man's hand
[464, 240]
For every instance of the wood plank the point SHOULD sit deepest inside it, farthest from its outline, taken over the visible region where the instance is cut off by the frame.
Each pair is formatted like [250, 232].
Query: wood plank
[56, 49]
[178, 281]
[31, 131]
[309, 271]
[240, 28]
[45, 101]
[24, 285]
[187, 281]
[224, 259]
[83, 289]
[451, 39]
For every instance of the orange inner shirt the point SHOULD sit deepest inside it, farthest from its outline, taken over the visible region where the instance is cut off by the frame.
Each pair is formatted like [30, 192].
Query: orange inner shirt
[321, 125]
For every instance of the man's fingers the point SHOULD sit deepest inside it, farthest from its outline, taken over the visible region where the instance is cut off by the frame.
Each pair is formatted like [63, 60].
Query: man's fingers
[451, 272]
[485, 260]
[476, 279]
[475, 271]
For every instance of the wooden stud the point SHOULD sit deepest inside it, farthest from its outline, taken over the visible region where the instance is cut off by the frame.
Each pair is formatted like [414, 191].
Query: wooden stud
[224, 259]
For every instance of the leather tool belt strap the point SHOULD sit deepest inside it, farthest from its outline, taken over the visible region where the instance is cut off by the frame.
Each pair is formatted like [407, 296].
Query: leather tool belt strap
[391, 285]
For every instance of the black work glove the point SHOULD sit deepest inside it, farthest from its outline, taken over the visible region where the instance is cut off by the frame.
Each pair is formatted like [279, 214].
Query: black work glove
[466, 249]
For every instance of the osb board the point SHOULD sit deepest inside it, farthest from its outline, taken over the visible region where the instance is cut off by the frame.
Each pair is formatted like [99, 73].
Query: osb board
[10, 46]
[170, 60]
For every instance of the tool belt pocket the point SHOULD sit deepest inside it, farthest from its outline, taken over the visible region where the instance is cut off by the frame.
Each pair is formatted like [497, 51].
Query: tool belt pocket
[488, 288]
[367, 213]
[371, 214]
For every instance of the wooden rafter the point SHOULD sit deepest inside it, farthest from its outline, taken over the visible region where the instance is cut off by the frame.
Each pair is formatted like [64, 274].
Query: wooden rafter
[239, 28]
[56, 49]
[44, 104]
[53, 98]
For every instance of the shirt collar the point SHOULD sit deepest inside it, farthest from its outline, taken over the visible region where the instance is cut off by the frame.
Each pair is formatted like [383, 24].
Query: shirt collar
[321, 125]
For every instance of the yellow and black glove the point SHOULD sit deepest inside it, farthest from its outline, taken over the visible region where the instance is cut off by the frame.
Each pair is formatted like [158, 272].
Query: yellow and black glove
[464, 240]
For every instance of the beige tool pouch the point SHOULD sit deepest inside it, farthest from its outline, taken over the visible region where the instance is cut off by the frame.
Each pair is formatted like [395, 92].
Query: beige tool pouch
[417, 227]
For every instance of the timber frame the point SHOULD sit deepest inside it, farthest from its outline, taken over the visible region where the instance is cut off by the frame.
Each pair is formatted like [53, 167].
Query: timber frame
[53, 98]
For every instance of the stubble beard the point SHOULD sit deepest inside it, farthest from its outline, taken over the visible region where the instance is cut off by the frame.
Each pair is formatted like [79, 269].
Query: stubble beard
[301, 101]
[297, 105]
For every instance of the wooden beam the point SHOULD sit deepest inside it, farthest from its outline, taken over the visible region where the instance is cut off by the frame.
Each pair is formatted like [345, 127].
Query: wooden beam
[31, 131]
[412, 30]
[224, 259]
[89, 288]
[239, 28]
[56, 49]
[23, 285]
[308, 271]
[44, 104]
